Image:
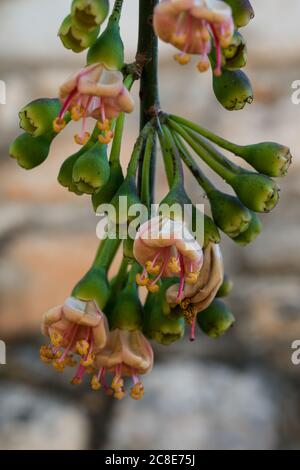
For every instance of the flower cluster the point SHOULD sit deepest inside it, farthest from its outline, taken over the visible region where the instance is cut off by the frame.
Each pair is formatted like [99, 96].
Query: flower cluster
[171, 274]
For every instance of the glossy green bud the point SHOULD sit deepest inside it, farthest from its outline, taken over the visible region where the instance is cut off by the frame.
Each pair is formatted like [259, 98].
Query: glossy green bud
[107, 192]
[258, 192]
[233, 89]
[158, 324]
[65, 176]
[36, 118]
[94, 285]
[216, 320]
[75, 39]
[108, 49]
[30, 151]
[235, 55]
[242, 12]
[126, 197]
[269, 158]
[128, 311]
[230, 215]
[226, 287]
[87, 15]
[91, 170]
[251, 233]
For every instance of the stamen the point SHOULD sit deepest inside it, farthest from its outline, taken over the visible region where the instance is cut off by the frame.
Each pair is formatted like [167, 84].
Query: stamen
[193, 330]
[137, 391]
[59, 124]
[181, 284]
[106, 138]
[82, 139]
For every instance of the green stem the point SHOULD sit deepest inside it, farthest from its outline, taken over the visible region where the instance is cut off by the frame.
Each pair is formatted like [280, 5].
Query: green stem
[147, 55]
[172, 155]
[225, 144]
[121, 276]
[106, 253]
[116, 12]
[226, 174]
[116, 146]
[146, 169]
[137, 151]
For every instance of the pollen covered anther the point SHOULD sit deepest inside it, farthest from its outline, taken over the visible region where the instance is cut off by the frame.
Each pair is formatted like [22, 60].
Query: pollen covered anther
[82, 139]
[59, 124]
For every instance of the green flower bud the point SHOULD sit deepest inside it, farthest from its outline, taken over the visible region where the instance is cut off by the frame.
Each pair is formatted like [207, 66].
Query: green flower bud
[91, 170]
[124, 199]
[87, 15]
[128, 311]
[269, 158]
[226, 287]
[108, 49]
[251, 233]
[158, 324]
[30, 151]
[258, 192]
[242, 12]
[211, 232]
[107, 192]
[235, 55]
[230, 215]
[94, 285]
[233, 89]
[65, 176]
[216, 319]
[36, 118]
[76, 39]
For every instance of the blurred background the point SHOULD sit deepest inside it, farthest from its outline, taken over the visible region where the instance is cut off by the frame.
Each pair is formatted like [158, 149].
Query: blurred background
[238, 392]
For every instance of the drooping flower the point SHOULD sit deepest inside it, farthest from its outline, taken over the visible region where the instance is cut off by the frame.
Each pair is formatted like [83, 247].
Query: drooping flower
[166, 248]
[199, 296]
[76, 327]
[94, 92]
[192, 25]
[127, 354]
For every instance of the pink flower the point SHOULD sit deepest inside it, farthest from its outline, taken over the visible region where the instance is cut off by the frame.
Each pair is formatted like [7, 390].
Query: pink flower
[96, 92]
[198, 297]
[127, 353]
[192, 25]
[74, 327]
[166, 248]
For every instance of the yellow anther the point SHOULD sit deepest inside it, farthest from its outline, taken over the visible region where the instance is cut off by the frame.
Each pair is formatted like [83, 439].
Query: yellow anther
[141, 281]
[120, 394]
[88, 361]
[185, 303]
[77, 112]
[82, 347]
[106, 138]
[46, 353]
[137, 392]
[58, 125]
[82, 139]
[103, 126]
[117, 383]
[179, 40]
[174, 265]
[56, 339]
[76, 381]
[203, 65]
[59, 366]
[153, 288]
[182, 58]
[151, 268]
[191, 278]
[95, 383]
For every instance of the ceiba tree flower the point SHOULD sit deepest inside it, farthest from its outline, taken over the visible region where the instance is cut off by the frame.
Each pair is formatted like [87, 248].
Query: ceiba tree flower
[74, 327]
[192, 25]
[166, 248]
[198, 297]
[127, 354]
[94, 92]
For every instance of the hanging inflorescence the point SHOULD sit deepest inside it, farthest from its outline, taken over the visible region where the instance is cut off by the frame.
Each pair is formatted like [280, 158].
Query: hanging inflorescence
[100, 333]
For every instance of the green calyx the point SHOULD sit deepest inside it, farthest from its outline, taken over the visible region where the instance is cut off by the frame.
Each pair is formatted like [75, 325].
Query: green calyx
[29, 151]
[235, 55]
[124, 199]
[107, 192]
[258, 192]
[36, 118]
[226, 287]
[74, 38]
[158, 323]
[229, 214]
[91, 170]
[251, 233]
[269, 158]
[88, 15]
[233, 89]
[108, 49]
[128, 311]
[93, 286]
[242, 12]
[216, 320]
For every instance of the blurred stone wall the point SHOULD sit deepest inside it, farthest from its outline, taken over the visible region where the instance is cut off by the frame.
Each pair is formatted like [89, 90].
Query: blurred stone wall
[238, 392]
